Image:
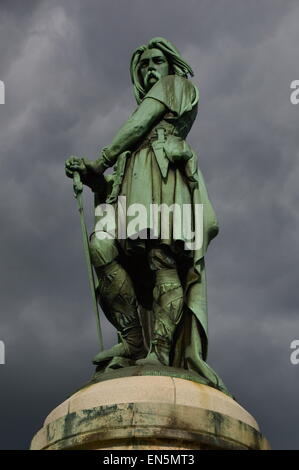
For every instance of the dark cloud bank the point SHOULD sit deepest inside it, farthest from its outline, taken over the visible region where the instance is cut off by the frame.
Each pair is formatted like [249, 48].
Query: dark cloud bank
[65, 66]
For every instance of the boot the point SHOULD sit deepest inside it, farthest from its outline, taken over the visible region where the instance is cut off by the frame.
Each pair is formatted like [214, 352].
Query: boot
[167, 309]
[158, 354]
[131, 346]
[118, 300]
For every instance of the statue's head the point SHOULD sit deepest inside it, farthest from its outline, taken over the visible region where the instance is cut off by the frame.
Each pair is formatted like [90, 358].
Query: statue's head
[153, 61]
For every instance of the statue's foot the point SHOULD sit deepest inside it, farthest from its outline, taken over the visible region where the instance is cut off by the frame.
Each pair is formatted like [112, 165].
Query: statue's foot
[118, 350]
[119, 362]
[150, 359]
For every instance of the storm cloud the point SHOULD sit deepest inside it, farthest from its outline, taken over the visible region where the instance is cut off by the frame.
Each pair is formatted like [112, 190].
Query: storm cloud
[65, 65]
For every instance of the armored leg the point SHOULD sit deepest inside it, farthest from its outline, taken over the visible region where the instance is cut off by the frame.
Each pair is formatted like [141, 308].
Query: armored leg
[118, 300]
[167, 306]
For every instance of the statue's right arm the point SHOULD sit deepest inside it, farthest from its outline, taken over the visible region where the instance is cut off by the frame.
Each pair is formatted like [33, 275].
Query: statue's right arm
[148, 113]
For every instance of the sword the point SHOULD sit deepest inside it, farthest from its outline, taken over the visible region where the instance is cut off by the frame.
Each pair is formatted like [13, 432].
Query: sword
[78, 189]
[158, 148]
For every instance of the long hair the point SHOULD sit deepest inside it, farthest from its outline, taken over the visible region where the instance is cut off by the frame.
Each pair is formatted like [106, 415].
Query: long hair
[178, 66]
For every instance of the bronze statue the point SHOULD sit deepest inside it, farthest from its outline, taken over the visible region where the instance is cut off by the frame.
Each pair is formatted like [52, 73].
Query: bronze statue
[153, 288]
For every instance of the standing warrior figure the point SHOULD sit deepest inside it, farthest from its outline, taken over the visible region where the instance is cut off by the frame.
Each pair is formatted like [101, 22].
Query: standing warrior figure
[163, 275]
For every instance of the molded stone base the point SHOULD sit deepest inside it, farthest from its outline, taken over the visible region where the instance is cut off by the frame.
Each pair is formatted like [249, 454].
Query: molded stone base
[149, 412]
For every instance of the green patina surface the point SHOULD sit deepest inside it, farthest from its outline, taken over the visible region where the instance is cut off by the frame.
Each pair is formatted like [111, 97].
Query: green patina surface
[153, 290]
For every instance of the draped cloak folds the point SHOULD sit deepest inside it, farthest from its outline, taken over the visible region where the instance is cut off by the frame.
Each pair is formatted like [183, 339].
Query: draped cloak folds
[152, 173]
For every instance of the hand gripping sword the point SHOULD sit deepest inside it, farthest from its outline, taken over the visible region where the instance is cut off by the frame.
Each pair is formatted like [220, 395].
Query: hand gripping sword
[78, 189]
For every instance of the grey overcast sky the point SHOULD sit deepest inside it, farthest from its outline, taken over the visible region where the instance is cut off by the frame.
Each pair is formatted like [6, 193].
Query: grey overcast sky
[65, 65]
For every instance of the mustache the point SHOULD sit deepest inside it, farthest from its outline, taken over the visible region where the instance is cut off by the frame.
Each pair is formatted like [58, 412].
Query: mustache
[152, 73]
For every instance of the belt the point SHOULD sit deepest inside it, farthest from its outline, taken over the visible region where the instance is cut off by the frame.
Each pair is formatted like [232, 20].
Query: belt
[160, 133]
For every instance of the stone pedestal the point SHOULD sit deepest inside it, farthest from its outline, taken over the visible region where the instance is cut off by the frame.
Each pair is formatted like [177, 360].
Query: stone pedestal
[149, 412]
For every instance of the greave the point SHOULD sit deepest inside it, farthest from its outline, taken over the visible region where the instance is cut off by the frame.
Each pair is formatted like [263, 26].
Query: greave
[167, 309]
[118, 300]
